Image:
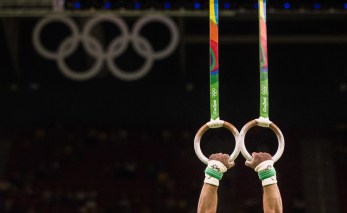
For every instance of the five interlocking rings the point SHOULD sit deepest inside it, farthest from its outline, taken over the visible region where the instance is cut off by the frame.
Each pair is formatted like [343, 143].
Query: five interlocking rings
[214, 92]
[264, 90]
[116, 47]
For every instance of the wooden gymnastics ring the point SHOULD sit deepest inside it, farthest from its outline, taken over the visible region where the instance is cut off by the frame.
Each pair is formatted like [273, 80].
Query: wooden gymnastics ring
[273, 127]
[216, 124]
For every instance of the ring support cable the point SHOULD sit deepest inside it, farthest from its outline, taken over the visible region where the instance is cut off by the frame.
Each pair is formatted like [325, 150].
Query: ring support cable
[263, 120]
[215, 121]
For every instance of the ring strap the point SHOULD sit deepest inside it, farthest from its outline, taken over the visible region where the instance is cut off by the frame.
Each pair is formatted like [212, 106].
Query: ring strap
[263, 61]
[214, 61]
[214, 122]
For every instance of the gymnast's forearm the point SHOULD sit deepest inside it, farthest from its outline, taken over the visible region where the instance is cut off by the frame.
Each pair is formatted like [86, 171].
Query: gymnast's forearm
[208, 199]
[272, 201]
[216, 166]
[262, 163]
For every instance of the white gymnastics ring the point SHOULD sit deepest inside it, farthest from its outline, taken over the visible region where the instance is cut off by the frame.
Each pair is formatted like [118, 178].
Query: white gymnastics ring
[201, 132]
[273, 127]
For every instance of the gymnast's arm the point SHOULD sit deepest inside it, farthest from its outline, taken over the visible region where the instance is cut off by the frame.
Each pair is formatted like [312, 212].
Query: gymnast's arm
[272, 201]
[208, 197]
[262, 163]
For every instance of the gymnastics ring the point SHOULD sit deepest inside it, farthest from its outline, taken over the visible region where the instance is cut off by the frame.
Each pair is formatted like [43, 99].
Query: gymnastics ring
[209, 125]
[273, 127]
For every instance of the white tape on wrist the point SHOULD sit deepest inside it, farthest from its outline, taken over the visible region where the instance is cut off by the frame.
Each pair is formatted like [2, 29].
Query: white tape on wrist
[217, 165]
[211, 180]
[269, 181]
[268, 164]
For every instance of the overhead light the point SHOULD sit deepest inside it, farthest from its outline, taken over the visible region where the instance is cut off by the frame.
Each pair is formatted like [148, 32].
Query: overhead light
[77, 5]
[227, 5]
[286, 5]
[317, 6]
[107, 5]
[137, 5]
[167, 5]
[197, 5]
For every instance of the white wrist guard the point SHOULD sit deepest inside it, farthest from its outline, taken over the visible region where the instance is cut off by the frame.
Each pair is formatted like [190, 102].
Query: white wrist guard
[266, 172]
[214, 172]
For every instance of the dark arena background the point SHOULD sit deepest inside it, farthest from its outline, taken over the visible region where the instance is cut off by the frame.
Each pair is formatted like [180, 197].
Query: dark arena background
[100, 104]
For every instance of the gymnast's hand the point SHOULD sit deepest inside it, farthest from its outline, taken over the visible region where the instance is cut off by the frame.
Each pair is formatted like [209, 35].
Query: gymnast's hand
[223, 158]
[258, 157]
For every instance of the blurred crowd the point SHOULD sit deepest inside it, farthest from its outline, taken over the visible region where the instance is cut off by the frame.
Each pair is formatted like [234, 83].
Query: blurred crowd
[94, 170]
[88, 170]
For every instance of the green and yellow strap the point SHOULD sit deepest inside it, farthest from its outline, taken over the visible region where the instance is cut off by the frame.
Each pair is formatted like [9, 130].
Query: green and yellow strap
[215, 121]
[263, 119]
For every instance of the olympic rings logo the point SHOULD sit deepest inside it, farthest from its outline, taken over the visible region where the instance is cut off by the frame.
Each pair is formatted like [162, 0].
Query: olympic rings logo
[264, 89]
[214, 92]
[117, 46]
